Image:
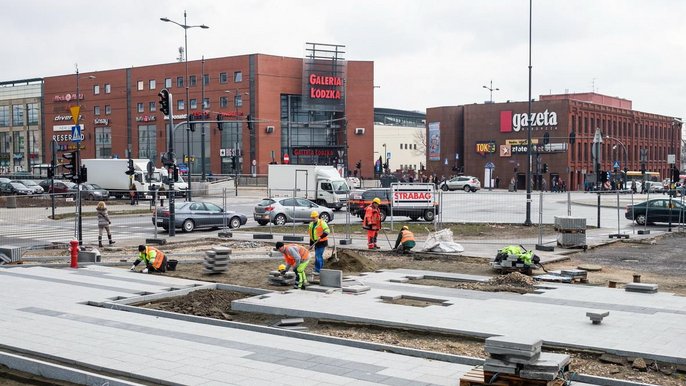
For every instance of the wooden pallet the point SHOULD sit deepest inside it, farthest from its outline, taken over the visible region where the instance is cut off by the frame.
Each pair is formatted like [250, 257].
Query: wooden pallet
[477, 377]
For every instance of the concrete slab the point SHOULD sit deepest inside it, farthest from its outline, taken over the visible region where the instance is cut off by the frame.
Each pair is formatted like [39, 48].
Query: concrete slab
[331, 278]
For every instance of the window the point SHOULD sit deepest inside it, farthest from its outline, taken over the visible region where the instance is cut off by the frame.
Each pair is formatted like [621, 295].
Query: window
[139, 107]
[415, 147]
[18, 142]
[167, 82]
[96, 110]
[206, 103]
[179, 81]
[147, 142]
[192, 81]
[17, 115]
[108, 109]
[193, 104]
[103, 142]
[180, 105]
[152, 84]
[108, 88]
[238, 76]
[223, 102]
[152, 106]
[212, 207]
[96, 89]
[206, 79]
[238, 100]
[4, 115]
[33, 113]
[223, 77]
[140, 85]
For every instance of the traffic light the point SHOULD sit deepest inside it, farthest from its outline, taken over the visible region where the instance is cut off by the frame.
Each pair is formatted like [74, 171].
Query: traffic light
[72, 166]
[359, 164]
[131, 169]
[220, 117]
[546, 138]
[604, 176]
[233, 162]
[51, 172]
[83, 174]
[675, 175]
[249, 118]
[191, 125]
[545, 168]
[164, 101]
[176, 173]
[572, 138]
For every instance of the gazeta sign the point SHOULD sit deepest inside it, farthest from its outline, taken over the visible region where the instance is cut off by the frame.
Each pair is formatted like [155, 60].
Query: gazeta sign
[510, 122]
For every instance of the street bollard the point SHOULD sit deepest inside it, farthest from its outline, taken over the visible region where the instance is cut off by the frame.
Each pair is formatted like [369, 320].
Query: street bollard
[637, 278]
[74, 250]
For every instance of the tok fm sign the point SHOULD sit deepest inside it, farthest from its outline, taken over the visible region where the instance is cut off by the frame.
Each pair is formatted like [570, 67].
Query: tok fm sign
[510, 122]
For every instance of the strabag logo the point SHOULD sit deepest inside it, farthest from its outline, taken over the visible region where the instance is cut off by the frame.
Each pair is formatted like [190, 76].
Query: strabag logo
[510, 122]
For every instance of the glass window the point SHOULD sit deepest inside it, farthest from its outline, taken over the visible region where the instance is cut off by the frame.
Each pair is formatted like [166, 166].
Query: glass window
[212, 207]
[108, 88]
[179, 81]
[192, 80]
[140, 85]
[223, 101]
[238, 100]
[140, 107]
[206, 103]
[206, 79]
[238, 76]
[223, 77]
[152, 106]
[167, 82]
[4, 115]
[96, 89]
[147, 142]
[18, 142]
[289, 202]
[17, 115]
[103, 142]
[108, 109]
[194, 104]
[152, 84]
[96, 110]
[180, 105]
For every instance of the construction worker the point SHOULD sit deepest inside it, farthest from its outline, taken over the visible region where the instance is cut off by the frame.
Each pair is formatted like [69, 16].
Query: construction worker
[319, 232]
[372, 222]
[405, 241]
[296, 257]
[153, 258]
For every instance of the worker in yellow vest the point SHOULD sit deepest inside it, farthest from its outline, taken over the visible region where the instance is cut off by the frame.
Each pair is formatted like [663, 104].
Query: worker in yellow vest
[153, 258]
[319, 232]
[405, 241]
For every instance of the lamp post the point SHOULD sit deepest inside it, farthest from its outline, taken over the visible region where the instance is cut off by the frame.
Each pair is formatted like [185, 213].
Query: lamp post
[626, 156]
[385, 157]
[186, 27]
[491, 89]
[238, 95]
[527, 221]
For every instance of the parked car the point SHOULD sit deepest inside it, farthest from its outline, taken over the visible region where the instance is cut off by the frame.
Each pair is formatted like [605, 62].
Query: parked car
[360, 199]
[287, 209]
[2, 179]
[67, 187]
[655, 187]
[466, 183]
[94, 192]
[31, 184]
[353, 182]
[14, 189]
[657, 210]
[194, 215]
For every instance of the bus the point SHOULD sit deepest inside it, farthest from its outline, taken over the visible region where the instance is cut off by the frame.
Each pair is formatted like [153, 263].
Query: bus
[638, 176]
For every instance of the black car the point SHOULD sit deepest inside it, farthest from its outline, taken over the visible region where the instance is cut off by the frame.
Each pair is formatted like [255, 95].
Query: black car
[657, 210]
[94, 192]
[14, 189]
[360, 199]
[193, 215]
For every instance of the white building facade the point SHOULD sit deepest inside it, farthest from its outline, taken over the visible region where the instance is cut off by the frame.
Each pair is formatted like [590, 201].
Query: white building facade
[399, 139]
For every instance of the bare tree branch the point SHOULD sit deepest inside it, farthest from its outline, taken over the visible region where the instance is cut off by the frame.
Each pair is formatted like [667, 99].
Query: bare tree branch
[420, 140]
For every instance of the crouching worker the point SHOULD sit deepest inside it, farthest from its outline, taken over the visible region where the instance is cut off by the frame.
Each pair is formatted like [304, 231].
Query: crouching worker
[153, 258]
[296, 257]
[405, 241]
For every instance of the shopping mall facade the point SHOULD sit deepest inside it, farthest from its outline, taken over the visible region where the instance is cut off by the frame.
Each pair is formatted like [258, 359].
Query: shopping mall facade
[491, 138]
[273, 109]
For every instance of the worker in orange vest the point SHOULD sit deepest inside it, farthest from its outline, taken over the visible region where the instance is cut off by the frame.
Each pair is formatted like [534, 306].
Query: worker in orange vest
[296, 257]
[319, 239]
[372, 222]
[154, 259]
[405, 241]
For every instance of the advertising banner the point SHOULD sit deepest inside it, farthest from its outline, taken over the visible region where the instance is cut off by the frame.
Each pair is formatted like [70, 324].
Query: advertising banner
[434, 141]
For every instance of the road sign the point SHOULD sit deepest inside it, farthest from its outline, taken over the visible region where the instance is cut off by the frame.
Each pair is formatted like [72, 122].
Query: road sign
[598, 137]
[615, 165]
[75, 111]
[388, 155]
[490, 165]
[76, 133]
[671, 159]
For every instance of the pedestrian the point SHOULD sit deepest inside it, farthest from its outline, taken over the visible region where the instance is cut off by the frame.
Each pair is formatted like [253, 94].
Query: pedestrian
[296, 257]
[513, 183]
[405, 241]
[153, 258]
[497, 182]
[372, 222]
[633, 186]
[133, 194]
[544, 185]
[319, 232]
[103, 223]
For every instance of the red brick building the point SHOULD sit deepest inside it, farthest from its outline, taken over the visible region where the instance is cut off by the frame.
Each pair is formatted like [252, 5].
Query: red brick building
[271, 107]
[470, 138]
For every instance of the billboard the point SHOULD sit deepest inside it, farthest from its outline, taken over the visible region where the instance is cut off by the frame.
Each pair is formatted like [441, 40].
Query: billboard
[434, 141]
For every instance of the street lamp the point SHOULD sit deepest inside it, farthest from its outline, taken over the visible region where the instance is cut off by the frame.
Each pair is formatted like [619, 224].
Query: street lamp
[186, 27]
[491, 89]
[385, 157]
[626, 156]
[238, 95]
[527, 221]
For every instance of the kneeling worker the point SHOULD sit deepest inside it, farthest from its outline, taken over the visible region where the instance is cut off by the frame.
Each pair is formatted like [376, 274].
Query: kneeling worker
[153, 258]
[295, 256]
[405, 241]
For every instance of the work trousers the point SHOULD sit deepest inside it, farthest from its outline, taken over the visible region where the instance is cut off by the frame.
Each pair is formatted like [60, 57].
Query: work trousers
[151, 269]
[371, 238]
[319, 248]
[300, 277]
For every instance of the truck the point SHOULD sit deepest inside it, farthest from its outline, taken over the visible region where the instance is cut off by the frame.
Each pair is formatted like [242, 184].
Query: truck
[111, 175]
[321, 184]
[180, 186]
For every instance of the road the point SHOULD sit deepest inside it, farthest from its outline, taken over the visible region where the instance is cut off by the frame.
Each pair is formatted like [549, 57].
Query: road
[32, 229]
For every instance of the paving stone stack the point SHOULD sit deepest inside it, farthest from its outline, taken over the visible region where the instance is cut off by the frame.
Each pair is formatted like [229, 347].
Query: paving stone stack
[216, 260]
[9, 254]
[572, 231]
[276, 278]
[522, 357]
[641, 287]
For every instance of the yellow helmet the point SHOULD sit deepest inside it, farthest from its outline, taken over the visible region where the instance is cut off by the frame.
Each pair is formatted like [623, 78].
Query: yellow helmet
[405, 227]
[282, 267]
[376, 200]
[314, 214]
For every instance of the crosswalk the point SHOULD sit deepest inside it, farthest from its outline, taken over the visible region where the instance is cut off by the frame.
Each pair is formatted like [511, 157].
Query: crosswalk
[39, 235]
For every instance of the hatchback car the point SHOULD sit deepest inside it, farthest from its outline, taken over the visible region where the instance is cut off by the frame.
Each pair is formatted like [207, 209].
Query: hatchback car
[657, 210]
[94, 192]
[286, 209]
[31, 184]
[194, 215]
[14, 189]
[466, 183]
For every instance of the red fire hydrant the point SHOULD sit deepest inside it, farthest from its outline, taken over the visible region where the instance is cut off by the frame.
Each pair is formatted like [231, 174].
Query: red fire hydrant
[74, 250]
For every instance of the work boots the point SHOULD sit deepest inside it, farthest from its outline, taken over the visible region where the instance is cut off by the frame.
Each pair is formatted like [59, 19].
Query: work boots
[100, 241]
[110, 237]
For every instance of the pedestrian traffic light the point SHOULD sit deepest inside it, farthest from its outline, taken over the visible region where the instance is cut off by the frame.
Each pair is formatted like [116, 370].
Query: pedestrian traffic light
[72, 166]
[51, 172]
[164, 101]
[359, 164]
[233, 162]
[83, 175]
[250, 125]
[546, 138]
[176, 173]
[545, 168]
[191, 125]
[131, 169]
[220, 117]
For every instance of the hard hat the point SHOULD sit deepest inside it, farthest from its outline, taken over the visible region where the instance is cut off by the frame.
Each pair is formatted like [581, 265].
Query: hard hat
[314, 214]
[376, 200]
[405, 227]
[282, 267]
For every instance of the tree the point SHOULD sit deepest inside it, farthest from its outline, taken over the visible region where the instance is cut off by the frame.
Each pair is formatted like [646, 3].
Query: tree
[420, 140]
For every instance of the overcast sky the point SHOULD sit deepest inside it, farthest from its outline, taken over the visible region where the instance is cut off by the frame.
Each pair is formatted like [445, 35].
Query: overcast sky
[426, 52]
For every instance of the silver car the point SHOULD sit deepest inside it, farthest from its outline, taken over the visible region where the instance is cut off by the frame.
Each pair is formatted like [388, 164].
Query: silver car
[466, 183]
[286, 209]
[31, 184]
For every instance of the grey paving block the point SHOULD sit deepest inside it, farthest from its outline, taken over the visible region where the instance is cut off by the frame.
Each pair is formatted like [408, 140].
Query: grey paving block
[553, 278]
[549, 362]
[540, 375]
[291, 321]
[356, 289]
[498, 369]
[222, 250]
[641, 287]
[574, 272]
[401, 280]
[331, 278]
[520, 360]
[515, 342]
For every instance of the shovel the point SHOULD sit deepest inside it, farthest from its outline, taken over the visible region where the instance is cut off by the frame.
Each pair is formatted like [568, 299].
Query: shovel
[383, 230]
[334, 254]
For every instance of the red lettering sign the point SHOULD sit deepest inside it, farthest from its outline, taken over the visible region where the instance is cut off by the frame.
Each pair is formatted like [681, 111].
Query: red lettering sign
[325, 80]
[419, 196]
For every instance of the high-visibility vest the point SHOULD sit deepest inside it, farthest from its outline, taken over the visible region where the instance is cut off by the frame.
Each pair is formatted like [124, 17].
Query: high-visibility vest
[302, 251]
[406, 235]
[155, 260]
[372, 217]
[317, 229]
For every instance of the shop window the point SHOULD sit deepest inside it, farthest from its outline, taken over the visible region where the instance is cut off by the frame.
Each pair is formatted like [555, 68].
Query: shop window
[4, 116]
